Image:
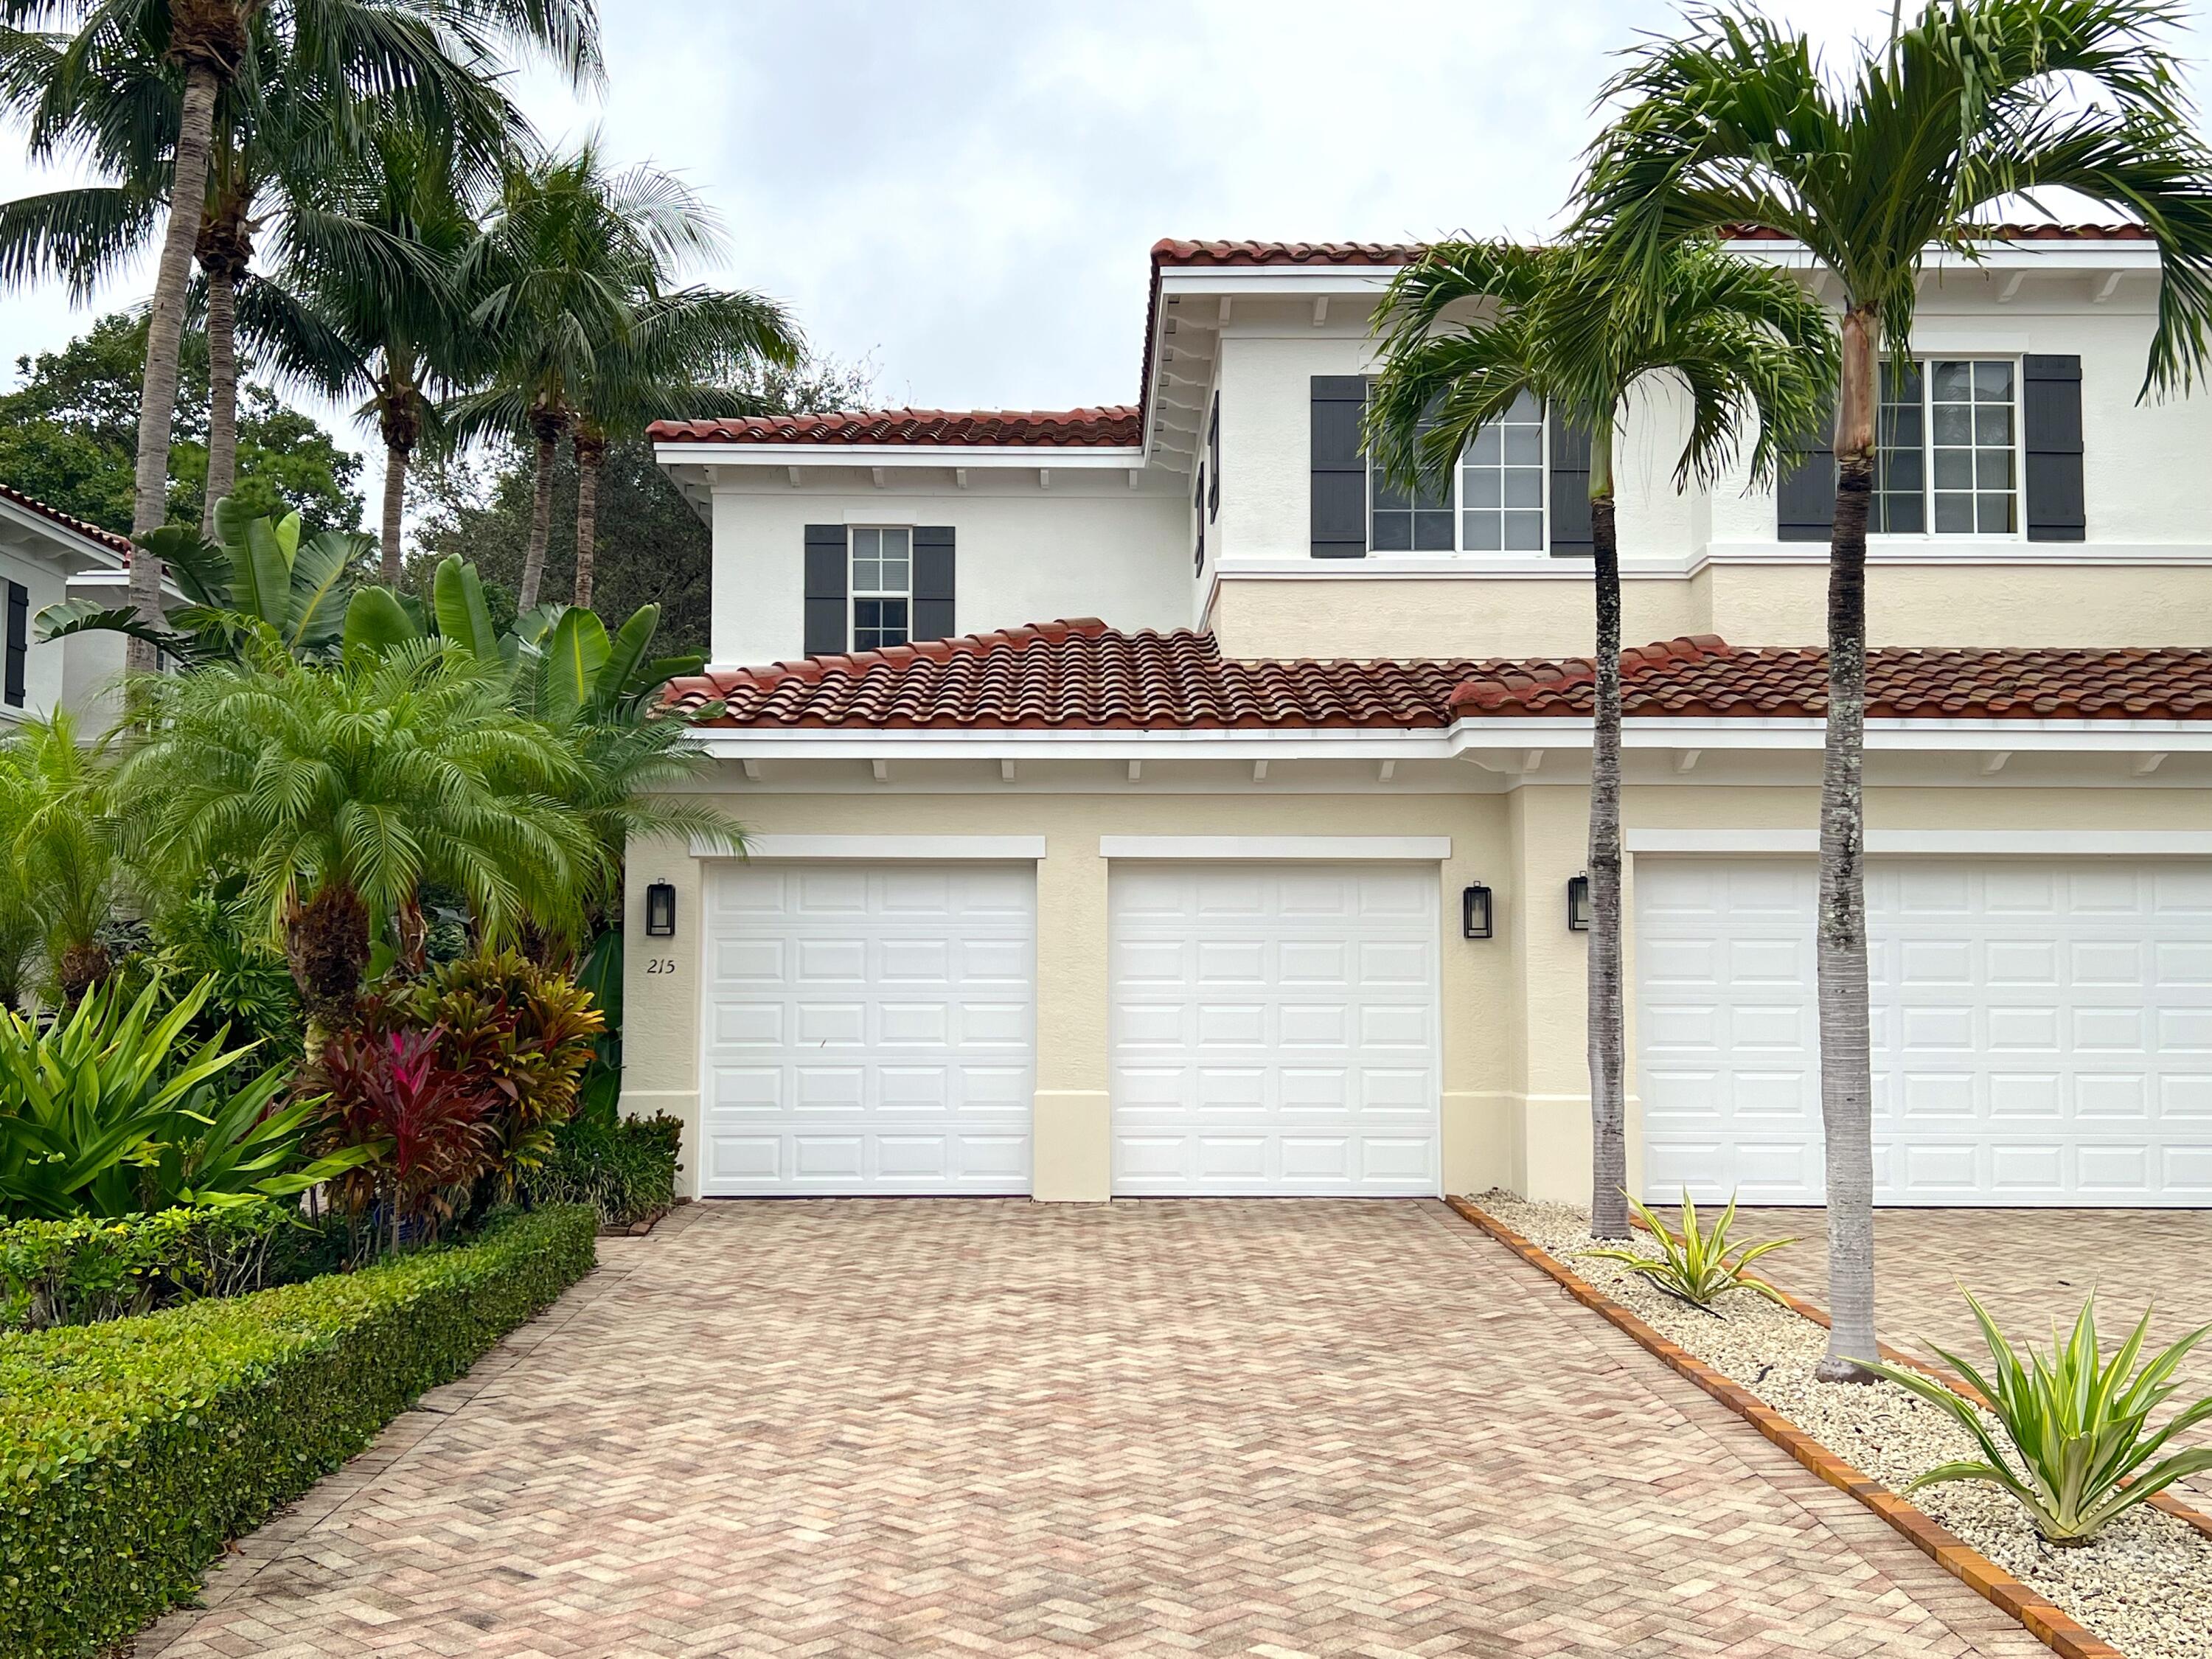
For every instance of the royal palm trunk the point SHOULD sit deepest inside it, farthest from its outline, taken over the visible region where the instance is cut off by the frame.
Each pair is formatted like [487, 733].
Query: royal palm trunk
[1846, 1060]
[591, 454]
[222, 392]
[1608, 1107]
[546, 426]
[400, 416]
[165, 332]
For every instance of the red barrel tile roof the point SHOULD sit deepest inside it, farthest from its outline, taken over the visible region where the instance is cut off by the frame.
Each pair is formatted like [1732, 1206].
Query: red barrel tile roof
[1082, 675]
[1111, 427]
[1172, 252]
[90, 532]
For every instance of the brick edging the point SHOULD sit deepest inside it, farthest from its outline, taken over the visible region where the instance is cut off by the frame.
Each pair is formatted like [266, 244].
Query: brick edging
[2050, 1624]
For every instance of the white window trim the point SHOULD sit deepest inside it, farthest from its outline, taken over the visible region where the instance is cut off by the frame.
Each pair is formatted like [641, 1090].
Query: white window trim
[854, 595]
[1280, 849]
[1458, 548]
[1923, 355]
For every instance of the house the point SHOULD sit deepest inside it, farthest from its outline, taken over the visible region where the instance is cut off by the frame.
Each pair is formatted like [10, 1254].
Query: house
[1142, 801]
[47, 557]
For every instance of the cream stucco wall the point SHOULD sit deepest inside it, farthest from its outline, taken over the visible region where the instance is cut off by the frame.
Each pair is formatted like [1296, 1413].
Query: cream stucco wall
[1514, 1091]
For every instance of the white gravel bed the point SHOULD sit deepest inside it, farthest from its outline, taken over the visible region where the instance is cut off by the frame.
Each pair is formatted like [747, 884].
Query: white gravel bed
[2145, 1585]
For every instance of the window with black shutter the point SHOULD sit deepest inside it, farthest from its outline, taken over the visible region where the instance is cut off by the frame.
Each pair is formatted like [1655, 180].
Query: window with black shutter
[19, 645]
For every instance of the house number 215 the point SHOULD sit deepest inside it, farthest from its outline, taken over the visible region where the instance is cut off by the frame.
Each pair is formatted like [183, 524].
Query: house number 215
[661, 965]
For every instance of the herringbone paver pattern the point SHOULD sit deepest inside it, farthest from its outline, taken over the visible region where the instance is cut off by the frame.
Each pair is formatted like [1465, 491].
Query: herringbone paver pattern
[2029, 1267]
[987, 1428]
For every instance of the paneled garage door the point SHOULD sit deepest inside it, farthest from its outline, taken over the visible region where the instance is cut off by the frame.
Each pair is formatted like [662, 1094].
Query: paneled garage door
[2042, 1030]
[868, 1028]
[1274, 1029]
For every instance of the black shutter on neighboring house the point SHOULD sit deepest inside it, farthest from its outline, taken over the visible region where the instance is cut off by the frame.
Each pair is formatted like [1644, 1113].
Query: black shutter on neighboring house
[1805, 500]
[19, 644]
[2051, 391]
[1340, 470]
[827, 575]
[932, 582]
[1569, 490]
[1213, 459]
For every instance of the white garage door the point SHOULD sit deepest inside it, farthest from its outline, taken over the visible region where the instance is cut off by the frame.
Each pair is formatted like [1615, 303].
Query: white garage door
[868, 1028]
[2042, 1030]
[1274, 1029]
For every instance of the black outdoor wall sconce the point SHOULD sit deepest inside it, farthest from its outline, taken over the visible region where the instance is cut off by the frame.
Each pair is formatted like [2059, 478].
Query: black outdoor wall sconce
[660, 910]
[1578, 904]
[1474, 912]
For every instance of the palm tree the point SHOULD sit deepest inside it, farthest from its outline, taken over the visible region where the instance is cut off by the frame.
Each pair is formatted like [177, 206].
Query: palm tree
[1552, 324]
[337, 791]
[572, 273]
[432, 54]
[1979, 100]
[54, 817]
[684, 349]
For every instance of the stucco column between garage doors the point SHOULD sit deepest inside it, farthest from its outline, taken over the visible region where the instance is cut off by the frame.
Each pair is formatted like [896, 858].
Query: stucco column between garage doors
[1072, 1131]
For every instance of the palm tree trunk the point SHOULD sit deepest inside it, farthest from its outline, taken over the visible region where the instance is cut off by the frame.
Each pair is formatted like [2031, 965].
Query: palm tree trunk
[1609, 1104]
[165, 332]
[591, 454]
[222, 392]
[1846, 1056]
[547, 430]
[395, 508]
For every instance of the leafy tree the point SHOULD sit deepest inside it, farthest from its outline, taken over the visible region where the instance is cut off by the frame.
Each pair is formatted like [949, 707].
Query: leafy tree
[652, 547]
[337, 791]
[1977, 101]
[1746, 344]
[56, 830]
[68, 436]
[433, 55]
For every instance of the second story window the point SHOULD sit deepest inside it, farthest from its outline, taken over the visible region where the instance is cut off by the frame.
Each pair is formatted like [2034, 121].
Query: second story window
[882, 587]
[1948, 462]
[1492, 502]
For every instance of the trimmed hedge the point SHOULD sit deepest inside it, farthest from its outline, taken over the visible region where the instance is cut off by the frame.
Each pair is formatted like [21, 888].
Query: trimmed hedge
[129, 1451]
[89, 1268]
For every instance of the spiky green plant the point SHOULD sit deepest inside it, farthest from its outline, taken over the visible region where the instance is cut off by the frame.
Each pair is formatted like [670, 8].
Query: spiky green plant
[1695, 1265]
[2078, 1426]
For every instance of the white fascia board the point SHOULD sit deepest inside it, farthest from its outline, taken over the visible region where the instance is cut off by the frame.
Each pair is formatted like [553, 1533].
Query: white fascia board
[1422, 849]
[1327, 743]
[2054, 255]
[57, 542]
[1303, 279]
[887, 849]
[1928, 843]
[1029, 456]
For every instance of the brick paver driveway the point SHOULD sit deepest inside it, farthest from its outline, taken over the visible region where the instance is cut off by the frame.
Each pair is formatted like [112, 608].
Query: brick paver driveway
[936, 1426]
[2028, 1267]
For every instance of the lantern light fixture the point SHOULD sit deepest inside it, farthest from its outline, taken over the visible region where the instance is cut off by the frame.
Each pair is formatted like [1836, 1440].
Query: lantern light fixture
[1578, 904]
[660, 910]
[1474, 912]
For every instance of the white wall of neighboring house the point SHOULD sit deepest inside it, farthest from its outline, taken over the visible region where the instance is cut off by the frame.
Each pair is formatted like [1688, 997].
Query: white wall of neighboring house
[52, 562]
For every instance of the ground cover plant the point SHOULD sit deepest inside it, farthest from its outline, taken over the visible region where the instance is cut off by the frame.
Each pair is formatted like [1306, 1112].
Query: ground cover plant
[1696, 1265]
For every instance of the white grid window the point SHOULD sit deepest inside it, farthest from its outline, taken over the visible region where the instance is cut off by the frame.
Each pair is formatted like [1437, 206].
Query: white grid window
[1493, 501]
[882, 587]
[1501, 481]
[1947, 459]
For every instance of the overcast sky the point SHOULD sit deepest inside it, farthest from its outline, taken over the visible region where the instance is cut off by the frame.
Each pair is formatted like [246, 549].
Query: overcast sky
[962, 195]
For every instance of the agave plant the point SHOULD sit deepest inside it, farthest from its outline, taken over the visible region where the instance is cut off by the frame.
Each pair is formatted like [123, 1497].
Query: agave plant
[1694, 1265]
[2076, 1423]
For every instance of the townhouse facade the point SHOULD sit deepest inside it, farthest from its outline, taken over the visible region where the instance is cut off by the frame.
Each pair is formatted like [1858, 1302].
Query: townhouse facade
[1147, 800]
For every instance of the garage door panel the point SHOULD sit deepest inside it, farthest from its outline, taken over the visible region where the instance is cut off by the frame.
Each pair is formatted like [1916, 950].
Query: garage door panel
[868, 1030]
[1315, 1073]
[2039, 1030]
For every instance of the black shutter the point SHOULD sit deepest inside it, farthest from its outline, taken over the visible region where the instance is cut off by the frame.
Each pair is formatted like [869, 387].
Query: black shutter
[1805, 499]
[828, 572]
[932, 582]
[1340, 470]
[1213, 455]
[1568, 488]
[19, 643]
[2051, 391]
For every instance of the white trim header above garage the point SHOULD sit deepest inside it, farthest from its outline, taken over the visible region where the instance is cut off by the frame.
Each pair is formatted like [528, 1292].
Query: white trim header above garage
[2023, 844]
[1258, 849]
[894, 849]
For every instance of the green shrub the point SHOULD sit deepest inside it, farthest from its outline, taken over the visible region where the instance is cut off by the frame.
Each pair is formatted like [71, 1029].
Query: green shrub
[1694, 1266]
[88, 1268]
[625, 1169]
[131, 1451]
[2079, 1429]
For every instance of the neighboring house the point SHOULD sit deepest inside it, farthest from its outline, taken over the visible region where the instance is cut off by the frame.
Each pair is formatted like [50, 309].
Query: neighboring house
[46, 557]
[1179, 901]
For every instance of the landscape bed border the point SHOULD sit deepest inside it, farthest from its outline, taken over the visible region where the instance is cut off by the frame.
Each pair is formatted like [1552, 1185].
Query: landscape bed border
[2044, 1619]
